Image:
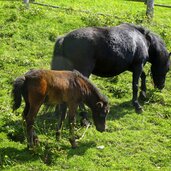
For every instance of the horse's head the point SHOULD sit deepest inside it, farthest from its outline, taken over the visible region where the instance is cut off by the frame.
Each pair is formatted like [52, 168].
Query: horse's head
[159, 58]
[159, 70]
[99, 115]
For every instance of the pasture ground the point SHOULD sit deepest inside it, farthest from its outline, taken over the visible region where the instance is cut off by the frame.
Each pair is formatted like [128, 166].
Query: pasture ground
[132, 142]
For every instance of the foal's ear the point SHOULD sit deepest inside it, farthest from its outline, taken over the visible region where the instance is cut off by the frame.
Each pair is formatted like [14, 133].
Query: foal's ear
[99, 104]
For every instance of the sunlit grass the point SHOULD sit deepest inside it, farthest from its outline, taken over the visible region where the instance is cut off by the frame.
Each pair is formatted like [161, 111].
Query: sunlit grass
[131, 142]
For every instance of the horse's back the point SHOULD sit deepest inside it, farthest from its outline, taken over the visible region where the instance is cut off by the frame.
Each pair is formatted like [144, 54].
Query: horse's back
[103, 50]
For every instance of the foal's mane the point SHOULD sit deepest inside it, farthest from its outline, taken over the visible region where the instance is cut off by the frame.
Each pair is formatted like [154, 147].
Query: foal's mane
[93, 88]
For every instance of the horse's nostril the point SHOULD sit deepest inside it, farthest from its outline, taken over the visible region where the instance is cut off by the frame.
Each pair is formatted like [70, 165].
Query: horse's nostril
[100, 129]
[160, 87]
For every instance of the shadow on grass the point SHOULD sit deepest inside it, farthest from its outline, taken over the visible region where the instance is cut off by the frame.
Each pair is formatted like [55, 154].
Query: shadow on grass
[81, 149]
[120, 110]
[137, 0]
[9, 154]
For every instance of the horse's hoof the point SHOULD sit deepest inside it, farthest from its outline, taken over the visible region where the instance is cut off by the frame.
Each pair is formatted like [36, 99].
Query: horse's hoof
[139, 110]
[142, 96]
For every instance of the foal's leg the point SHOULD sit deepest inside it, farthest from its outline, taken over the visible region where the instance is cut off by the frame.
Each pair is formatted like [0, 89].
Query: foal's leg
[62, 116]
[72, 121]
[57, 110]
[31, 135]
[143, 86]
[26, 110]
[136, 75]
[35, 101]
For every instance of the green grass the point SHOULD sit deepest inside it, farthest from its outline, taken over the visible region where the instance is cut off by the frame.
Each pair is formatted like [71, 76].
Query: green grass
[131, 142]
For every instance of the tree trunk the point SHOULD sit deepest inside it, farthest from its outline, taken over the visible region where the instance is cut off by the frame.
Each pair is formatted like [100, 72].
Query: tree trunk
[150, 8]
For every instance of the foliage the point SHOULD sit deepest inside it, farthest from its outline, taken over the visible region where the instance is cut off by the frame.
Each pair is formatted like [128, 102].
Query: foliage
[131, 142]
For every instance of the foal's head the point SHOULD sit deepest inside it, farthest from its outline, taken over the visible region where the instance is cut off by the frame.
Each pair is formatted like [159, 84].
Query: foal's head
[99, 115]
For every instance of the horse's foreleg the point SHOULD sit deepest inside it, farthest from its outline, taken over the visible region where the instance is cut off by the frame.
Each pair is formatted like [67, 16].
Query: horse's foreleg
[72, 121]
[143, 86]
[84, 115]
[136, 75]
[62, 116]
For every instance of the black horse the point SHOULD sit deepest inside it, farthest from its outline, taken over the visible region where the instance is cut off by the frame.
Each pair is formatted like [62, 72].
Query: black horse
[109, 51]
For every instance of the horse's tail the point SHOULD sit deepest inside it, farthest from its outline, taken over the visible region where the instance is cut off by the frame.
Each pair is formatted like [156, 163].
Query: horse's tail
[59, 60]
[17, 92]
[57, 53]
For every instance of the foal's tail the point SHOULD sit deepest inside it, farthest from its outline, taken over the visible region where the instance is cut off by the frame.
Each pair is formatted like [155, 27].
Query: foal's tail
[17, 92]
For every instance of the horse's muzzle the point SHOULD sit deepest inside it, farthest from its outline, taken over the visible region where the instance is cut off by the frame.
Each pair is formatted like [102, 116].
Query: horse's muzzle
[160, 87]
[100, 129]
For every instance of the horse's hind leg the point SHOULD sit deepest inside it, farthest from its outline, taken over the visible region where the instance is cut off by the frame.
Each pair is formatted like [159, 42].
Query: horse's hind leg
[62, 116]
[143, 86]
[84, 115]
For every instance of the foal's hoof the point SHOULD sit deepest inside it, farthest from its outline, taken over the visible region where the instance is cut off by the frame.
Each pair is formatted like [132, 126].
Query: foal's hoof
[142, 95]
[58, 136]
[73, 143]
[36, 141]
[30, 147]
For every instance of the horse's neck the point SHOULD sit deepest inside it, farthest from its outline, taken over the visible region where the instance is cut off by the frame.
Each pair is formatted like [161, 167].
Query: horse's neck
[155, 58]
[156, 48]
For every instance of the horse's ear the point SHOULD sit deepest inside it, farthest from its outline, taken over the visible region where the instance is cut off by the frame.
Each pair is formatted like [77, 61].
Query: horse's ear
[99, 104]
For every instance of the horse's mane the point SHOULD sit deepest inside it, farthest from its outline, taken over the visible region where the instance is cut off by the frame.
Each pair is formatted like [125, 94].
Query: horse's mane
[156, 44]
[93, 88]
[152, 37]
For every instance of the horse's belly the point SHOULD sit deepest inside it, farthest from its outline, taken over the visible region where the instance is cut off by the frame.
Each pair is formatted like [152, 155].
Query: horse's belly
[106, 73]
[109, 68]
[53, 100]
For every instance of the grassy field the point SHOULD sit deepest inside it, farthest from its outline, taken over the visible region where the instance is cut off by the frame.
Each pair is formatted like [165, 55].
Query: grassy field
[132, 141]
